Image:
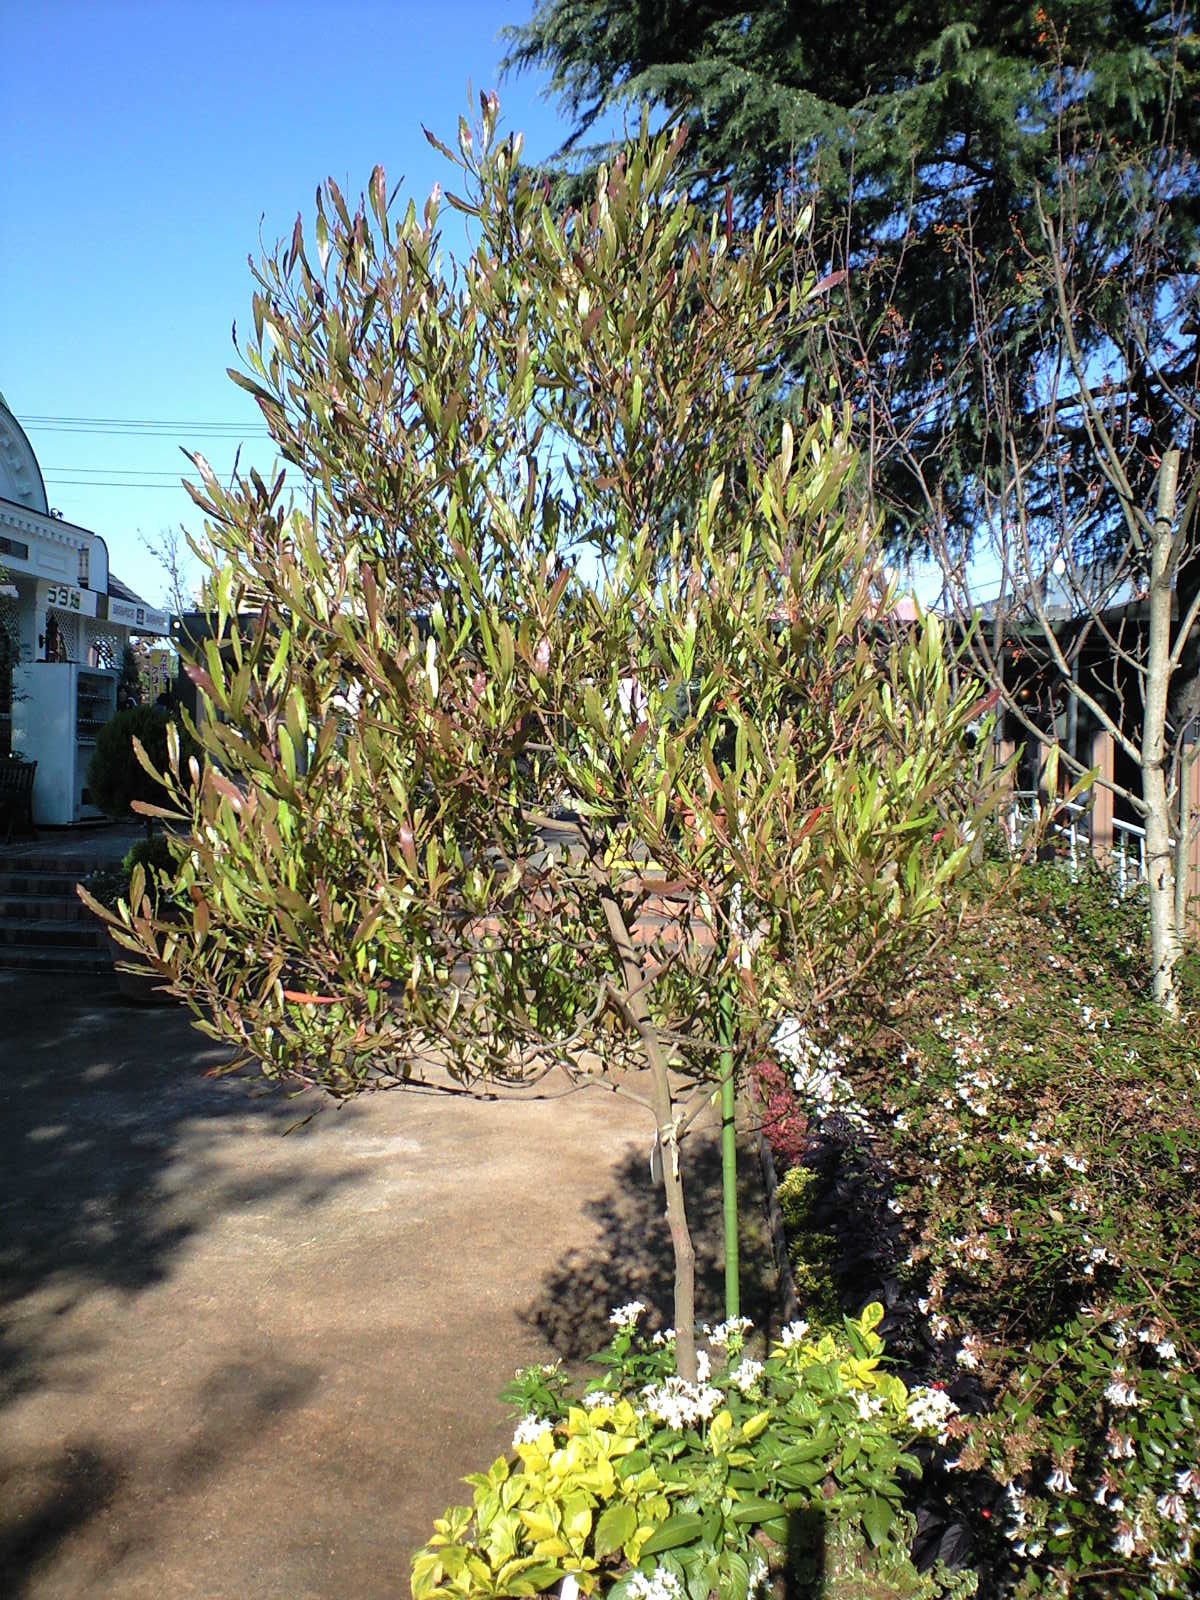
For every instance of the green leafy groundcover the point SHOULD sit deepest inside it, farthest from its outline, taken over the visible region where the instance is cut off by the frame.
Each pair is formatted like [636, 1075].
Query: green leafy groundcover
[645, 1487]
[1037, 1125]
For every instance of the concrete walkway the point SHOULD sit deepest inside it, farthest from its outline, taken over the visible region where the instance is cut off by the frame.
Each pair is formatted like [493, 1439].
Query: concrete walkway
[239, 1366]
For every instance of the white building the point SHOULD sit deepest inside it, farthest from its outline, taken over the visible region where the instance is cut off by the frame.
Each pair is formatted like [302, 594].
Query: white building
[64, 623]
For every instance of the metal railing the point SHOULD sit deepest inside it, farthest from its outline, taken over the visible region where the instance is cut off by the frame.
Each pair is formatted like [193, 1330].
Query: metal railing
[1129, 857]
[1072, 821]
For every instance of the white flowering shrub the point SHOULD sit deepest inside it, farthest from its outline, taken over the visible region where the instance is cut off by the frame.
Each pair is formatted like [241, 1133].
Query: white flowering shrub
[1041, 1126]
[645, 1486]
[816, 1071]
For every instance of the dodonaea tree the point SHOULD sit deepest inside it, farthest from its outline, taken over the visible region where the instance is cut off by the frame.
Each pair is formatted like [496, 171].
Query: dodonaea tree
[540, 565]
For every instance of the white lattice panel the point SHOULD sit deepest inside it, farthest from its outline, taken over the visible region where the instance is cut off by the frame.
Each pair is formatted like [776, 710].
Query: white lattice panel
[68, 631]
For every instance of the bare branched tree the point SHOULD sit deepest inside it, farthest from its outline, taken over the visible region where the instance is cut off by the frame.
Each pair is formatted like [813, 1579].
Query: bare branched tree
[1066, 532]
[170, 550]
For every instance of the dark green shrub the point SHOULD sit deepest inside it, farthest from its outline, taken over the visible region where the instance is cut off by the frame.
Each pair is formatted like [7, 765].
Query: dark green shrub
[110, 885]
[153, 854]
[116, 778]
[129, 686]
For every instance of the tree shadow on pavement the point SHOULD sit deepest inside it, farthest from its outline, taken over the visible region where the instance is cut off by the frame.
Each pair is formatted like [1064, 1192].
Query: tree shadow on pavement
[44, 1501]
[110, 1142]
[632, 1260]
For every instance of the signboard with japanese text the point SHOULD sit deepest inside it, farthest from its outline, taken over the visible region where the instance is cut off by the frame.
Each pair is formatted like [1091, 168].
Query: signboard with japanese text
[141, 618]
[66, 597]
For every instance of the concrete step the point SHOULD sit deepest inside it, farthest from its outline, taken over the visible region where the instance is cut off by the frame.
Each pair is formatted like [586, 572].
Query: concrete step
[54, 931]
[28, 881]
[44, 927]
[23, 907]
[52, 958]
[71, 864]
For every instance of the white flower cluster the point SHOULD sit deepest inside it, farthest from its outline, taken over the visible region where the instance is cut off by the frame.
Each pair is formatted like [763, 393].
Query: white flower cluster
[1042, 1152]
[1120, 1391]
[971, 1353]
[869, 1405]
[746, 1374]
[1105, 1489]
[939, 1326]
[625, 1316]
[663, 1585]
[735, 1327]
[1018, 1530]
[1164, 1348]
[759, 1575]
[681, 1404]
[816, 1075]
[1128, 1536]
[1174, 1507]
[1089, 1016]
[973, 1245]
[795, 1333]
[529, 1430]
[929, 1410]
[1119, 1445]
[1098, 1256]
[976, 1084]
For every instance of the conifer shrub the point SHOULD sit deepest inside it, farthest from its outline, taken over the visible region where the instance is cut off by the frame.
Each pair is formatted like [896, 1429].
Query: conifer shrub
[115, 777]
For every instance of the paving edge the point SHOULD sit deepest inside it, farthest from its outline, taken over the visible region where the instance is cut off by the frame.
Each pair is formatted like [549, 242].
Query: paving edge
[789, 1301]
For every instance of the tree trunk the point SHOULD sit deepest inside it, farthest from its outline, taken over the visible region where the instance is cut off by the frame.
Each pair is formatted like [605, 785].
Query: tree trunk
[1184, 839]
[633, 1002]
[1160, 862]
[681, 1237]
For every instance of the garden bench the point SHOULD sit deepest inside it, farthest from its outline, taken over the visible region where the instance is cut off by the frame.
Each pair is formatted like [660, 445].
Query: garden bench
[16, 795]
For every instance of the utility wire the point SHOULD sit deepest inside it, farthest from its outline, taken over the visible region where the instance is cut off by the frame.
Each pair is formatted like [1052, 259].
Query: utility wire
[92, 483]
[144, 427]
[131, 422]
[125, 477]
[128, 472]
[139, 422]
[173, 435]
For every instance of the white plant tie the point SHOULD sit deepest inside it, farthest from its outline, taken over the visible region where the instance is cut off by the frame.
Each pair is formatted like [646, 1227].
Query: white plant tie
[665, 1136]
[671, 1136]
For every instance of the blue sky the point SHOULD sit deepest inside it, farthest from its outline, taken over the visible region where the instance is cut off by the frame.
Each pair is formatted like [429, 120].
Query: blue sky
[142, 145]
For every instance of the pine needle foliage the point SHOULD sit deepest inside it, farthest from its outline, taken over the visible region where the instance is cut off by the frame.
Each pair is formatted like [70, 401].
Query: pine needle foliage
[917, 127]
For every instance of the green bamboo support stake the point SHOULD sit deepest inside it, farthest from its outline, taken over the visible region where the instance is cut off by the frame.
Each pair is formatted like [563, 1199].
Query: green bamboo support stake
[729, 1156]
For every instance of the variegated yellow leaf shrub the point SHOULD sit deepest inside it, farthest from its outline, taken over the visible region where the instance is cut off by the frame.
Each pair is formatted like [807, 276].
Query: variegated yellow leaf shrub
[581, 1491]
[647, 1485]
